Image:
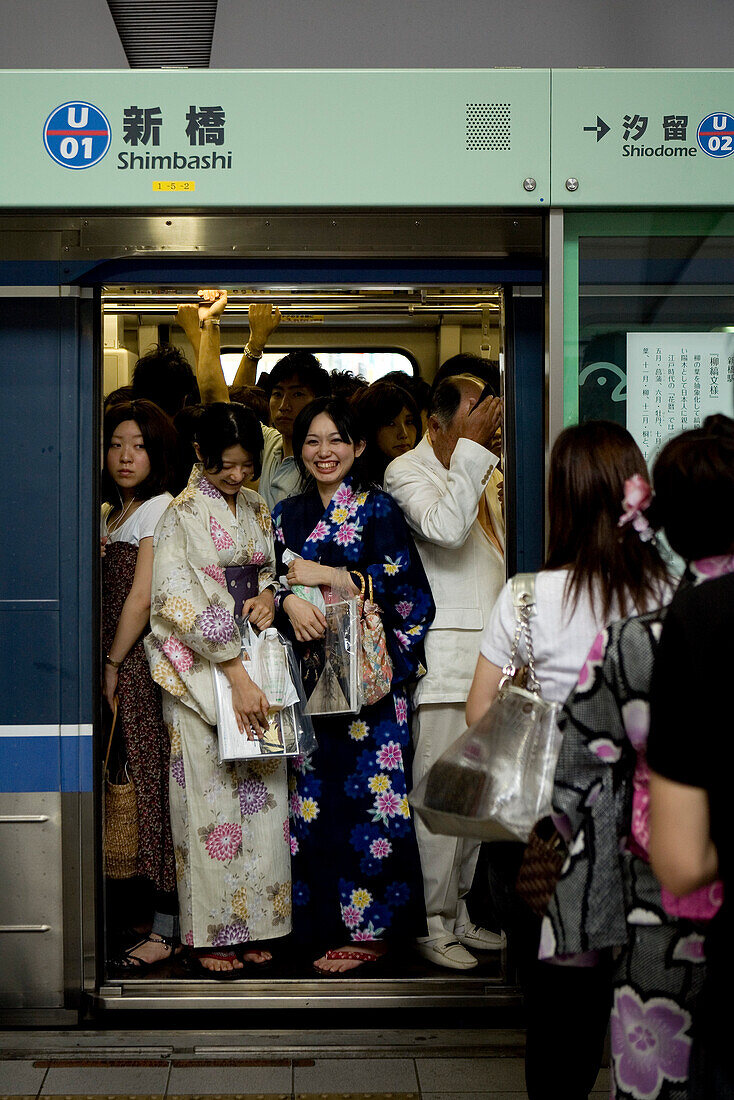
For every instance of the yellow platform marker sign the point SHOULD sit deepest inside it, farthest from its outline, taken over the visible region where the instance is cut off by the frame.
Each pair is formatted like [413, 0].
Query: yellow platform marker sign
[174, 185]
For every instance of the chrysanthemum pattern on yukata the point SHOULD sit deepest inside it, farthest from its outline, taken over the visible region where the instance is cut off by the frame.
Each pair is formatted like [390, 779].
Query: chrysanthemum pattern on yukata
[228, 820]
[351, 831]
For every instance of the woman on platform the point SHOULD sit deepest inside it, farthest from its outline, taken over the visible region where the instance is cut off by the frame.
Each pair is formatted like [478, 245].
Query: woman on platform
[595, 572]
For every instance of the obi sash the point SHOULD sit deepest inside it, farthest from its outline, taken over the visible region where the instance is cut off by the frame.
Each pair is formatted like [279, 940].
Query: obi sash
[242, 584]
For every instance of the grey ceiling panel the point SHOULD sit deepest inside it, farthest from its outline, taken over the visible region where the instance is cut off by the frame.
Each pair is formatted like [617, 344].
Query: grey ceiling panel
[158, 33]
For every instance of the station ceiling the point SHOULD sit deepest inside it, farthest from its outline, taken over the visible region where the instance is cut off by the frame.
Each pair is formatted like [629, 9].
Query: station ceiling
[294, 34]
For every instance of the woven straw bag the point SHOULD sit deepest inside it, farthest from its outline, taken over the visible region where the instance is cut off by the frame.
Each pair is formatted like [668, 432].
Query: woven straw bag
[120, 838]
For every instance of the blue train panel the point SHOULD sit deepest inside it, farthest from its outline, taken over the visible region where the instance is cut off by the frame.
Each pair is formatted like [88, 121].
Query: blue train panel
[46, 543]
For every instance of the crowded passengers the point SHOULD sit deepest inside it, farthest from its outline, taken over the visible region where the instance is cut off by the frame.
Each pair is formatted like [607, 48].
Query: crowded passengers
[304, 482]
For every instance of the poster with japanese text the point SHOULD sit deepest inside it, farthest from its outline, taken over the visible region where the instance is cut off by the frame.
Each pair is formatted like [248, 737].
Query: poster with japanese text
[674, 381]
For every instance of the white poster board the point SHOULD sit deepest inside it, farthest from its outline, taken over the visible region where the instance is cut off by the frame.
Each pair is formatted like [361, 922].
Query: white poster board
[674, 381]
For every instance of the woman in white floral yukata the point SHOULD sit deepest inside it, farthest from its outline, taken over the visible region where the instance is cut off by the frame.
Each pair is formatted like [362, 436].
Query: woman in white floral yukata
[229, 821]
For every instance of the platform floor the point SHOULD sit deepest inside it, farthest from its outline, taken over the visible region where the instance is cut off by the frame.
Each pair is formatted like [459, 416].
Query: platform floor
[439, 1065]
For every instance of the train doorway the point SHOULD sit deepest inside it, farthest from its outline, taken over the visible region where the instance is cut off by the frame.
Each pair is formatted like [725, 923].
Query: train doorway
[467, 289]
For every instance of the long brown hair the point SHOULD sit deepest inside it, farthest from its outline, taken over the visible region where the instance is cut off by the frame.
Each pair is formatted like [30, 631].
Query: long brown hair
[588, 468]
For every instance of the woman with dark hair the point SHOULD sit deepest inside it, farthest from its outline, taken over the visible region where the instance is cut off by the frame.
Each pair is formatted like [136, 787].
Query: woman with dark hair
[229, 820]
[391, 424]
[595, 572]
[140, 450]
[608, 897]
[356, 867]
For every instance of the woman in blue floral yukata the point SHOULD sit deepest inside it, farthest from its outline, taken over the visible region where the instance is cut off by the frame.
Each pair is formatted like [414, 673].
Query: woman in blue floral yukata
[356, 869]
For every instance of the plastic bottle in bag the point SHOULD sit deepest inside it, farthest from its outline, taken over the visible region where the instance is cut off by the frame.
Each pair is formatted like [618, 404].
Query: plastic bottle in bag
[274, 672]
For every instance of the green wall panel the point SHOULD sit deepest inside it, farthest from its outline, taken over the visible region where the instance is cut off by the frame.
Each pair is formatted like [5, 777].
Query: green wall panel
[642, 161]
[305, 139]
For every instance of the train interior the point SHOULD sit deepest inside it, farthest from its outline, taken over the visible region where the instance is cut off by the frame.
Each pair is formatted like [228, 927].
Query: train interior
[367, 331]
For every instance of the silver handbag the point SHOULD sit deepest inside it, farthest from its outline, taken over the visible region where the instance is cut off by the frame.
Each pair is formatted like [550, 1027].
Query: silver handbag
[496, 780]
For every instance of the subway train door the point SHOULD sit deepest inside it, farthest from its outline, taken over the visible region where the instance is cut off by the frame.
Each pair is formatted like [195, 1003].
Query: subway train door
[415, 326]
[47, 341]
[51, 360]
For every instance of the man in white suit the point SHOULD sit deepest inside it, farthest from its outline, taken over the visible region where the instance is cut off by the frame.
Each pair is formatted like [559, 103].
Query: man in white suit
[447, 488]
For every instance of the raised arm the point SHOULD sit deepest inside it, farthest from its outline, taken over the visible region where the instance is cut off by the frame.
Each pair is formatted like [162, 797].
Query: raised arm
[442, 514]
[209, 373]
[263, 322]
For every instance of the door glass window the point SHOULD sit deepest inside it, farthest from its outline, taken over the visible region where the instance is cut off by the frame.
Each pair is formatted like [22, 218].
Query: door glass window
[370, 365]
[655, 332]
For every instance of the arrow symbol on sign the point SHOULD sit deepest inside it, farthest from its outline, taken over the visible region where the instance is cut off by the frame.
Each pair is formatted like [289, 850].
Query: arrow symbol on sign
[601, 129]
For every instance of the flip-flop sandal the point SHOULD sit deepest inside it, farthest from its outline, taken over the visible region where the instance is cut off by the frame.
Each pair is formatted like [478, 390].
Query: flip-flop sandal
[218, 975]
[353, 956]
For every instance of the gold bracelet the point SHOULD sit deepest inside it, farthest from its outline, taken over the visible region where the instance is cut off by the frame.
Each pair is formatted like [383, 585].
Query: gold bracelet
[250, 354]
[109, 661]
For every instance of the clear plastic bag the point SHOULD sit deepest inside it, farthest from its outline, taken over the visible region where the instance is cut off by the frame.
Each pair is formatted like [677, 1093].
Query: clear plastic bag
[289, 730]
[331, 668]
[496, 781]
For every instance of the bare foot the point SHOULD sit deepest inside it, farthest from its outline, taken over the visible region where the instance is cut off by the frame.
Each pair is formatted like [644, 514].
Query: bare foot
[256, 956]
[218, 961]
[356, 953]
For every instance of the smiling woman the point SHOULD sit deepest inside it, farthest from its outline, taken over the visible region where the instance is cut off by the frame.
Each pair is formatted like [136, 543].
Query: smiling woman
[232, 855]
[352, 835]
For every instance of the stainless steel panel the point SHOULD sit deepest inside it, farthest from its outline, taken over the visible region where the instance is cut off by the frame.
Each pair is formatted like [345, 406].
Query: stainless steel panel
[554, 348]
[80, 844]
[31, 909]
[354, 993]
[281, 234]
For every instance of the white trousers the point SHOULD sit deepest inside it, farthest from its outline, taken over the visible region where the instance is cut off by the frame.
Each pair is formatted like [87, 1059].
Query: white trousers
[448, 862]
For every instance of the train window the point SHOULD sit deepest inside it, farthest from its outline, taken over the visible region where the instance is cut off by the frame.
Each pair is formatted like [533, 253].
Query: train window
[655, 348]
[369, 364]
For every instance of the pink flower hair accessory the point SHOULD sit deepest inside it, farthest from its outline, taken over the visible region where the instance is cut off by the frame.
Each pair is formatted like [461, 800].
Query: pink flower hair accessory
[637, 499]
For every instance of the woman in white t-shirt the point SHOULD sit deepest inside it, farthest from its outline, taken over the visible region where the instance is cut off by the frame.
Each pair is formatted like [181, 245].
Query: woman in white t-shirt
[140, 454]
[596, 571]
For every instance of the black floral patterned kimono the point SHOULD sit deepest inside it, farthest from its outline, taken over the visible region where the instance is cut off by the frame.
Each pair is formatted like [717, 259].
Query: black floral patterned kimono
[356, 870]
[608, 896]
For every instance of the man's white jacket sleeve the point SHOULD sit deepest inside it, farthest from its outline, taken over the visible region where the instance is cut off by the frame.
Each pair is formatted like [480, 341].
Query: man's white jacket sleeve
[442, 511]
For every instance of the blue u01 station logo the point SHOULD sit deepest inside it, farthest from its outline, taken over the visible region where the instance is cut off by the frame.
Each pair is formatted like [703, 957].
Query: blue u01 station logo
[715, 135]
[77, 135]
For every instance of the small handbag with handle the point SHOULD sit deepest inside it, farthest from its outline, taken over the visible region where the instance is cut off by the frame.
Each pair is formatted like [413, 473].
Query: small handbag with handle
[377, 667]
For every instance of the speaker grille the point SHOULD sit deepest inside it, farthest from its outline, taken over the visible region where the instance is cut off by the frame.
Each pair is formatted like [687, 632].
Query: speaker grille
[488, 125]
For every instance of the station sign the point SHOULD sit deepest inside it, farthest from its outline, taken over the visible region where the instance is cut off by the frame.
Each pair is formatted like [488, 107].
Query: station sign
[649, 137]
[215, 138]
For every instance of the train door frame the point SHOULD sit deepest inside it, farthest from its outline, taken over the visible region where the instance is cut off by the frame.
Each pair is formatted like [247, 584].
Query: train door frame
[83, 268]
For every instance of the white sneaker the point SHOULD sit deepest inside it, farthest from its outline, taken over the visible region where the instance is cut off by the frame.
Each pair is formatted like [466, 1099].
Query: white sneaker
[481, 939]
[449, 953]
